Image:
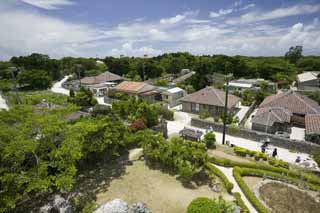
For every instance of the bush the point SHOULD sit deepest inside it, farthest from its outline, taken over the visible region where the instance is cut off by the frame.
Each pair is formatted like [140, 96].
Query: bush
[166, 113]
[257, 156]
[210, 140]
[217, 172]
[137, 125]
[245, 189]
[240, 151]
[316, 157]
[161, 82]
[240, 203]
[204, 115]
[261, 166]
[206, 205]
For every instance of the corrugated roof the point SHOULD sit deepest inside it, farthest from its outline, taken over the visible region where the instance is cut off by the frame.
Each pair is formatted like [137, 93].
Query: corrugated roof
[175, 90]
[312, 124]
[308, 76]
[211, 96]
[292, 101]
[104, 77]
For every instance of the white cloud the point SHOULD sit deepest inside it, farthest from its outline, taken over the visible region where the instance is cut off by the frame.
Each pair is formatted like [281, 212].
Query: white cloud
[127, 49]
[276, 13]
[173, 20]
[247, 7]
[221, 12]
[48, 4]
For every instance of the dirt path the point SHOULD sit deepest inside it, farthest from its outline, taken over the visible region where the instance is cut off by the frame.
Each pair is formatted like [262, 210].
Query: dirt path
[3, 103]
[57, 87]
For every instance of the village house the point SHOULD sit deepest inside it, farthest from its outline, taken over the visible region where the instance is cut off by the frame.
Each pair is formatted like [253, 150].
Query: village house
[172, 96]
[313, 128]
[210, 100]
[139, 90]
[281, 111]
[309, 81]
[100, 84]
[252, 84]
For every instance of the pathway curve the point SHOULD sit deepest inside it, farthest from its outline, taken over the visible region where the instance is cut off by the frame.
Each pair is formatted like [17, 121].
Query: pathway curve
[57, 87]
[228, 173]
[3, 103]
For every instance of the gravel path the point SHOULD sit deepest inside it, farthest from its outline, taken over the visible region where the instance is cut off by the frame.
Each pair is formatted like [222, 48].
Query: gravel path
[57, 87]
[3, 103]
[236, 188]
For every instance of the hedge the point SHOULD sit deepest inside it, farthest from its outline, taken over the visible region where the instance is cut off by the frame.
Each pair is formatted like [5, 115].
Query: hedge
[240, 203]
[277, 176]
[259, 155]
[245, 189]
[261, 166]
[217, 172]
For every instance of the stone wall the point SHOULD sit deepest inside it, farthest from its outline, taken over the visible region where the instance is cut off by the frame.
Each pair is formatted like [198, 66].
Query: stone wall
[300, 146]
[248, 113]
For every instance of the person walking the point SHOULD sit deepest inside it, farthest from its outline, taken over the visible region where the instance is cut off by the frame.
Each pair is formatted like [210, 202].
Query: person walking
[275, 153]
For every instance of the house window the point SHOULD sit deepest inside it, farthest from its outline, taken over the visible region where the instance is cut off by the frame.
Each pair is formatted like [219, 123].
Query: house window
[197, 108]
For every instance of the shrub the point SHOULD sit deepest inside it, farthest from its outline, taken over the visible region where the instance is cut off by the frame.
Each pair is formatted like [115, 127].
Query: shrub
[137, 125]
[166, 113]
[210, 140]
[217, 172]
[257, 156]
[316, 157]
[261, 166]
[240, 203]
[161, 82]
[240, 151]
[203, 115]
[245, 189]
[206, 205]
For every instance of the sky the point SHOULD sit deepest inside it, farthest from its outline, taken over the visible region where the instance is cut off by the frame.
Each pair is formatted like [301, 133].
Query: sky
[99, 28]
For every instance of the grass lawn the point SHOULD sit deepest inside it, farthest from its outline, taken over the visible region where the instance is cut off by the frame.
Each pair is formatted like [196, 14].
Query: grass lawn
[161, 192]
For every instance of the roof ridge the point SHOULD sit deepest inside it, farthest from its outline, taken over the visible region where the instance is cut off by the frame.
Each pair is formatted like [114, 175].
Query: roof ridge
[295, 94]
[215, 92]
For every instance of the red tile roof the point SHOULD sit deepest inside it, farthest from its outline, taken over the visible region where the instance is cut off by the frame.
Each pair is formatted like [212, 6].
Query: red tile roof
[133, 87]
[312, 124]
[270, 115]
[292, 101]
[104, 77]
[211, 96]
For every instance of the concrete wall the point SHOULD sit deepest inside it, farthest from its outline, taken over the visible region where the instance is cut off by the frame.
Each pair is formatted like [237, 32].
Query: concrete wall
[301, 146]
[214, 111]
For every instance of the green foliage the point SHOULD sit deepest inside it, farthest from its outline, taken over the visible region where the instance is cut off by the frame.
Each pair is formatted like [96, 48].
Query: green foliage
[294, 54]
[161, 82]
[240, 203]
[34, 79]
[165, 113]
[84, 97]
[210, 140]
[207, 205]
[211, 168]
[314, 95]
[245, 189]
[133, 109]
[185, 157]
[248, 97]
[6, 85]
[204, 114]
[316, 157]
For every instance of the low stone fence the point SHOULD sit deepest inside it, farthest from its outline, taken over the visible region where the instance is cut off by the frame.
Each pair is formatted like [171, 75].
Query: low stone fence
[300, 146]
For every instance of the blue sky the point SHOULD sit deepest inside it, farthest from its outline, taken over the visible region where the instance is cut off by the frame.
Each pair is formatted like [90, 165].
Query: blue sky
[92, 28]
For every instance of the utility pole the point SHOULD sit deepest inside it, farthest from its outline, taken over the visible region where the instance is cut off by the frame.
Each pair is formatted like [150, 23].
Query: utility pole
[15, 69]
[143, 65]
[228, 77]
[78, 67]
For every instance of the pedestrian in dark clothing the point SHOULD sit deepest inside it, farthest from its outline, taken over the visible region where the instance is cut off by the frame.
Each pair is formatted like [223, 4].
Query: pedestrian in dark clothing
[274, 153]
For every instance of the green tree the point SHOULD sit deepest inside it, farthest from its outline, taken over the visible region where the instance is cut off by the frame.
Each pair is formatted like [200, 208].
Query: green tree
[35, 79]
[83, 97]
[207, 205]
[294, 54]
[210, 140]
